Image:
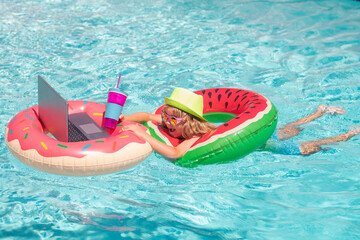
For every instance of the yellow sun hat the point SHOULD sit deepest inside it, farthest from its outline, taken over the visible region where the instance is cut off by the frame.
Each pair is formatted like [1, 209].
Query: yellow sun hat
[187, 101]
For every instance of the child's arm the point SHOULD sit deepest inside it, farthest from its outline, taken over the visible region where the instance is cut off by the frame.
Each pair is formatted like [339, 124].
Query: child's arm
[170, 152]
[140, 117]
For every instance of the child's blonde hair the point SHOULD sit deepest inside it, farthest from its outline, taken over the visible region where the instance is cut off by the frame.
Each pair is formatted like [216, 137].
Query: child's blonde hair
[192, 126]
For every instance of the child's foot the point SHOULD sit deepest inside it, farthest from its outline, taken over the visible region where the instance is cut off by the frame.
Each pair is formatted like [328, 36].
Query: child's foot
[354, 131]
[333, 110]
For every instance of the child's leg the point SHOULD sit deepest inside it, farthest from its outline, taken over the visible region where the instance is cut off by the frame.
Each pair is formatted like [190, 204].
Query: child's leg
[311, 147]
[292, 129]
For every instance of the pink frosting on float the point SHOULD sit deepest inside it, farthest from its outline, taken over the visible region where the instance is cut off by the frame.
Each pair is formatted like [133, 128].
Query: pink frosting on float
[28, 130]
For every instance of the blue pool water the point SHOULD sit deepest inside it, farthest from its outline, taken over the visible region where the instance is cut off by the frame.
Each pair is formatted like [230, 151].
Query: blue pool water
[299, 54]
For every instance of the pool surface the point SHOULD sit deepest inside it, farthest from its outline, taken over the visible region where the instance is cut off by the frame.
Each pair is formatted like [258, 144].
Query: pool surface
[299, 54]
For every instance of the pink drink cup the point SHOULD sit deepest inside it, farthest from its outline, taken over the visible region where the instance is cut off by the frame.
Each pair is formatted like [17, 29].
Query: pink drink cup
[114, 106]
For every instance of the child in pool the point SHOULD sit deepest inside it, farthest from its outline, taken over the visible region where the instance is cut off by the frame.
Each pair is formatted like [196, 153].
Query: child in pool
[182, 117]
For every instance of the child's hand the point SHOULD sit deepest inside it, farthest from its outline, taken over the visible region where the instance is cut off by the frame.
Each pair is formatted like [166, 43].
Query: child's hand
[134, 128]
[122, 118]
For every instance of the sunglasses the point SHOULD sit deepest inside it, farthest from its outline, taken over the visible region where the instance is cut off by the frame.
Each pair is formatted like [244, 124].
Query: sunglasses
[171, 119]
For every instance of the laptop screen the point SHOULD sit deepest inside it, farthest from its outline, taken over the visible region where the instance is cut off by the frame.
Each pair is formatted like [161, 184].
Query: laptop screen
[52, 110]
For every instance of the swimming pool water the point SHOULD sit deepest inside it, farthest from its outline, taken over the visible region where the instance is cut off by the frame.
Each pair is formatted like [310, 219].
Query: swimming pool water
[299, 54]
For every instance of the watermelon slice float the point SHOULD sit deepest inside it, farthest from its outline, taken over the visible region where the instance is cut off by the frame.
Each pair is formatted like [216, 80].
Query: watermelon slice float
[248, 120]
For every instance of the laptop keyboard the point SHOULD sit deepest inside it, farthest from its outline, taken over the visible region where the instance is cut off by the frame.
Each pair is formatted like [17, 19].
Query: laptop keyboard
[75, 135]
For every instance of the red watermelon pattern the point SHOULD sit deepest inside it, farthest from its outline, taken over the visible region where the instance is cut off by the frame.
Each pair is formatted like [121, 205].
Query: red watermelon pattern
[243, 103]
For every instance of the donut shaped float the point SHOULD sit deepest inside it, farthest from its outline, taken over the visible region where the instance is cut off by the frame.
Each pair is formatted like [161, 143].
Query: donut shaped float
[28, 141]
[249, 119]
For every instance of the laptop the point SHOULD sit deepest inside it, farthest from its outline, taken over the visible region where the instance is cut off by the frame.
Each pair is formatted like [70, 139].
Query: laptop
[54, 115]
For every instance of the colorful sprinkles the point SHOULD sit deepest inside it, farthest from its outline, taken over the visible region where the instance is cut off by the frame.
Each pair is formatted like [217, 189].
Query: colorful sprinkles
[44, 146]
[30, 117]
[86, 147]
[42, 131]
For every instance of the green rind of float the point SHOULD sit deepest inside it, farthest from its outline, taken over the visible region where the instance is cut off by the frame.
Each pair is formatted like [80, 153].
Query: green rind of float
[218, 117]
[153, 133]
[233, 146]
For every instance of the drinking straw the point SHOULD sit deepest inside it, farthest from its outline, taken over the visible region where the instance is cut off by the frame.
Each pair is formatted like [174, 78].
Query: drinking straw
[117, 86]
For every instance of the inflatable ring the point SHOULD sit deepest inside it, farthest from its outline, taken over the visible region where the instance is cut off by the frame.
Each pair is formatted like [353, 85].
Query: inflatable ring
[28, 141]
[250, 119]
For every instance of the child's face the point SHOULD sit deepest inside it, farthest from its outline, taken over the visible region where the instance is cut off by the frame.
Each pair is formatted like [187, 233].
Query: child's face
[173, 124]
[174, 131]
